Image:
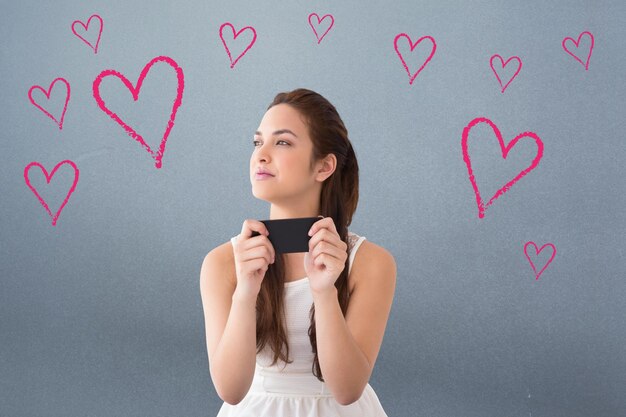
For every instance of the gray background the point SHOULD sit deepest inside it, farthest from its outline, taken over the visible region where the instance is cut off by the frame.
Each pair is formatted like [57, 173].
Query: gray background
[101, 314]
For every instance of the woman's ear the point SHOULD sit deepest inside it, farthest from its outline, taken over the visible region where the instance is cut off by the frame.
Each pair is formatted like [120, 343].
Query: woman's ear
[326, 167]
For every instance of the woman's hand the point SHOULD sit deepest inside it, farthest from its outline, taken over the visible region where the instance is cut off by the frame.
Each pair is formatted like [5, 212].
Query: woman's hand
[326, 257]
[252, 258]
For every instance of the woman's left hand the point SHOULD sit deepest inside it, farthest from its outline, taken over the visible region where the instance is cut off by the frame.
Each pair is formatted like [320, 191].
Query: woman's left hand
[326, 257]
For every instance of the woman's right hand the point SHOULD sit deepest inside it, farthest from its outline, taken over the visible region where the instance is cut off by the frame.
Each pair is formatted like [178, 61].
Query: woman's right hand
[252, 258]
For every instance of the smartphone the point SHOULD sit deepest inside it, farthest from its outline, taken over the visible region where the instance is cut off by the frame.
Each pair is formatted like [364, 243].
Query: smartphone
[289, 235]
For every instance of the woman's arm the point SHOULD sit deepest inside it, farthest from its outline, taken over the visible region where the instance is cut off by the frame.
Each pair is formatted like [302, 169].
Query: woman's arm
[230, 322]
[347, 348]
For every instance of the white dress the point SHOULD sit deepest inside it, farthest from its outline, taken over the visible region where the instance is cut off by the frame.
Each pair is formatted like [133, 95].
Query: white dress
[291, 389]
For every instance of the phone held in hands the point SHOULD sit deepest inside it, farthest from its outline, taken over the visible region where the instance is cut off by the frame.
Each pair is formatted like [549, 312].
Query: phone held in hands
[289, 235]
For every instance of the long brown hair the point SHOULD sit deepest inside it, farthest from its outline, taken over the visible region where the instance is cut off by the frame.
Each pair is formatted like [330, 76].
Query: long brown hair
[338, 200]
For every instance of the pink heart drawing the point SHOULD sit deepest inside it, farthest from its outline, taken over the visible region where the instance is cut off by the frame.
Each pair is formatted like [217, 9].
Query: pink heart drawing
[413, 45]
[135, 92]
[502, 65]
[319, 21]
[537, 253]
[505, 150]
[59, 122]
[27, 169]
[232, 63]
[86, 29]
[577, 43]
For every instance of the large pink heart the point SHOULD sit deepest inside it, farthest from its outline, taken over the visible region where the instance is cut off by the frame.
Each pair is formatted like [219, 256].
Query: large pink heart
[56, 215]
[537, 253]
[135, 92]
[86, 29]
[502, 65]
[505, 150]
[319, 21]
[577, 43]
[413, 45]
[59, 121]
[232, 63]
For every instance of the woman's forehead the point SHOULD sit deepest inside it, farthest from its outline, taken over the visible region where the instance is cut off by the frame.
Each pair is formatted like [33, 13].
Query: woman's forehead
[283, 116]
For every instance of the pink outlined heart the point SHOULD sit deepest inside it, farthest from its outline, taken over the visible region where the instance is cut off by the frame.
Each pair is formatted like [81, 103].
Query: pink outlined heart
[135, 92]
[413, 45]
[319, 21]
[505, 150]
[502, 65]
[59, 122]
[232, 63]
[27, 169]
[536, 254]
[86, 29]
[577, 43]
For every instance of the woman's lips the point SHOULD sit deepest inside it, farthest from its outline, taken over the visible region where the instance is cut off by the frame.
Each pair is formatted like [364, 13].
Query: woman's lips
[263, 176]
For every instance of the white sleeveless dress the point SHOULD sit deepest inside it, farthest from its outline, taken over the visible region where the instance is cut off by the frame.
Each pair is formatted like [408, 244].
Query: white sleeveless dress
[291, 389]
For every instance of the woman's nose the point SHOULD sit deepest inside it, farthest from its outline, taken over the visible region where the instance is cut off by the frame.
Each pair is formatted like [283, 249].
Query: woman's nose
[262, 153]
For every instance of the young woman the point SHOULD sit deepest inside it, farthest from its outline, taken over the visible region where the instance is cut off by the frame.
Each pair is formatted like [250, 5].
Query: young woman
[298, 334]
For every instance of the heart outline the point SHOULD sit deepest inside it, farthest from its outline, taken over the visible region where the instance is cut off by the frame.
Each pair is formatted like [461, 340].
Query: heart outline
[537, 253]
[319, 21]
[135, 92]
[577, 42]
[232, 64]
[413, 45]
[519, 68]
[47, 94]
[86, 27]
[48, 179]
[505, 150]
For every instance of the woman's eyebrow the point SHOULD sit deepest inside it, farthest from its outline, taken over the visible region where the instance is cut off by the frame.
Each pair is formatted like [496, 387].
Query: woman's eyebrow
[278, 132]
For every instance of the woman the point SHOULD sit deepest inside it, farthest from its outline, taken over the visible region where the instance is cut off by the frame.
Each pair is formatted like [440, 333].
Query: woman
[298, 334]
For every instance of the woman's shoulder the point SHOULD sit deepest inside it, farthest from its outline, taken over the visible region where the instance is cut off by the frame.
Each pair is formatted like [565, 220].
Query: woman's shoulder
[224, 251]
[222, 258]
[367, 245]
[370, 252]
[373, 259]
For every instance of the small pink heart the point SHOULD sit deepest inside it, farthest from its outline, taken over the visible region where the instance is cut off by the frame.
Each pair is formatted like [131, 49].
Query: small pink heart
[27, 169]
[577, 43]
[135, 92]
[537, 251]
[505, 150]
[413, 45]
[502, 66]
[235, 35]
[319, 21]
[86, 29]
[59, 122]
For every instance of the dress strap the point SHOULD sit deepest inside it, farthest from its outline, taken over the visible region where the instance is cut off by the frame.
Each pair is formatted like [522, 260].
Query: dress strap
[355, 242]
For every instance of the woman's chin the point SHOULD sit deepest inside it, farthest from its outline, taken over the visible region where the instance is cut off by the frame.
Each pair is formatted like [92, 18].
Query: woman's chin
[260, 195]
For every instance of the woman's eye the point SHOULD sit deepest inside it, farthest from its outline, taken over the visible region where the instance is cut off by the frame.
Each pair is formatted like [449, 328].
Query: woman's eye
[256, 142]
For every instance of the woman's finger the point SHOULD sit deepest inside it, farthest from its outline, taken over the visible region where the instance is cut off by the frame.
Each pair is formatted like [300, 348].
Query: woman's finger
[326, 249]
[326, 236]
[326, 222]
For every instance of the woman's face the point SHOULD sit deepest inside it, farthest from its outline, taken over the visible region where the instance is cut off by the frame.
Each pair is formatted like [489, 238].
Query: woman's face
[282, 147]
